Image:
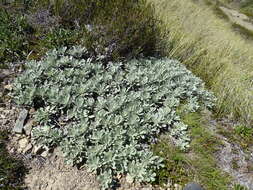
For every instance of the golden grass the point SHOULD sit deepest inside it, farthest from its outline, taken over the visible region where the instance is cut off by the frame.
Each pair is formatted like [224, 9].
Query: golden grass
[209, 47]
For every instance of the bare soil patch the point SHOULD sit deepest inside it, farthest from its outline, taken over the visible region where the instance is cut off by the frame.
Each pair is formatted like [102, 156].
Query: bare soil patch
[57, 175]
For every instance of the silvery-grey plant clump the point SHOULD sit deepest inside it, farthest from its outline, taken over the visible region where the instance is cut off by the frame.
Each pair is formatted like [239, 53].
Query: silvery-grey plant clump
[106, 116]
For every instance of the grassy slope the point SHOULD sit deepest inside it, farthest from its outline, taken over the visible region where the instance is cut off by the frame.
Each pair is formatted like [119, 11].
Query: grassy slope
[210, 48]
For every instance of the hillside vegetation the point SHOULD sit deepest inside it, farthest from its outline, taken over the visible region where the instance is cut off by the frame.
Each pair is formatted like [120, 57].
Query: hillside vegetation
[116, 92]
[213, 51]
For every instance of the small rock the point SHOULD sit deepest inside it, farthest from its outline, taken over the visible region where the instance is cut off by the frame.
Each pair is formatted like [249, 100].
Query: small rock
[28, 127]
[28, 148]
[178, 187]
[129, 179]
[8, 87]
[18, 128]
[32, 111]
[193, 186]
[44, 154]
[23, 143]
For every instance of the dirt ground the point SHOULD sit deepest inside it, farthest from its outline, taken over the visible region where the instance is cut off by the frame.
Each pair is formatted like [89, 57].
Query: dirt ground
[56, 175]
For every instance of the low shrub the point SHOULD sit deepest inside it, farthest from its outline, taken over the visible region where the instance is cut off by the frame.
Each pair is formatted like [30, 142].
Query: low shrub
[129, 31]
[14, 31]
[55, 38]
[106, 115]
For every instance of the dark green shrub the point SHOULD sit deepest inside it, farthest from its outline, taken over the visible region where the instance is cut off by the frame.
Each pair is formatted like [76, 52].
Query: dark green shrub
[113, 28]
[127, 32]
[107, 115]
[14, 31]
[60, 37]
[55, 38]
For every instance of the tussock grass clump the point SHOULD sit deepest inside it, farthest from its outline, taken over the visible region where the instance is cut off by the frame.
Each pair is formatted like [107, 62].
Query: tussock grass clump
[206, 44]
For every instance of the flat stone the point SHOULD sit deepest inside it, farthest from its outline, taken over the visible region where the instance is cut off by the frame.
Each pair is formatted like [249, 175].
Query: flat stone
[18, 128]
[193, 186]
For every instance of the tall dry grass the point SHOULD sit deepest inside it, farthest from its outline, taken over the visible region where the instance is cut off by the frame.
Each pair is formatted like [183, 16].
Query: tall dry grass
[208, 46]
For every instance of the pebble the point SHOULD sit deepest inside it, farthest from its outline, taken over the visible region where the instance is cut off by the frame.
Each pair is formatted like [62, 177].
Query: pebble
[23, 143]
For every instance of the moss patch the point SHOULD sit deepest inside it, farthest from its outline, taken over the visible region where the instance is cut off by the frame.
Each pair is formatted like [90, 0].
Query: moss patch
[198, 164]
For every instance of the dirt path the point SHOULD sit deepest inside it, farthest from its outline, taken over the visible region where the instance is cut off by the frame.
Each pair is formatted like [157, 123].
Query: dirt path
[231, 157]
[238, 18]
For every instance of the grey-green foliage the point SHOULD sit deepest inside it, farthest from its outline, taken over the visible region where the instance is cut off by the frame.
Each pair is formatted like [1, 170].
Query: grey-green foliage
[106, 116]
